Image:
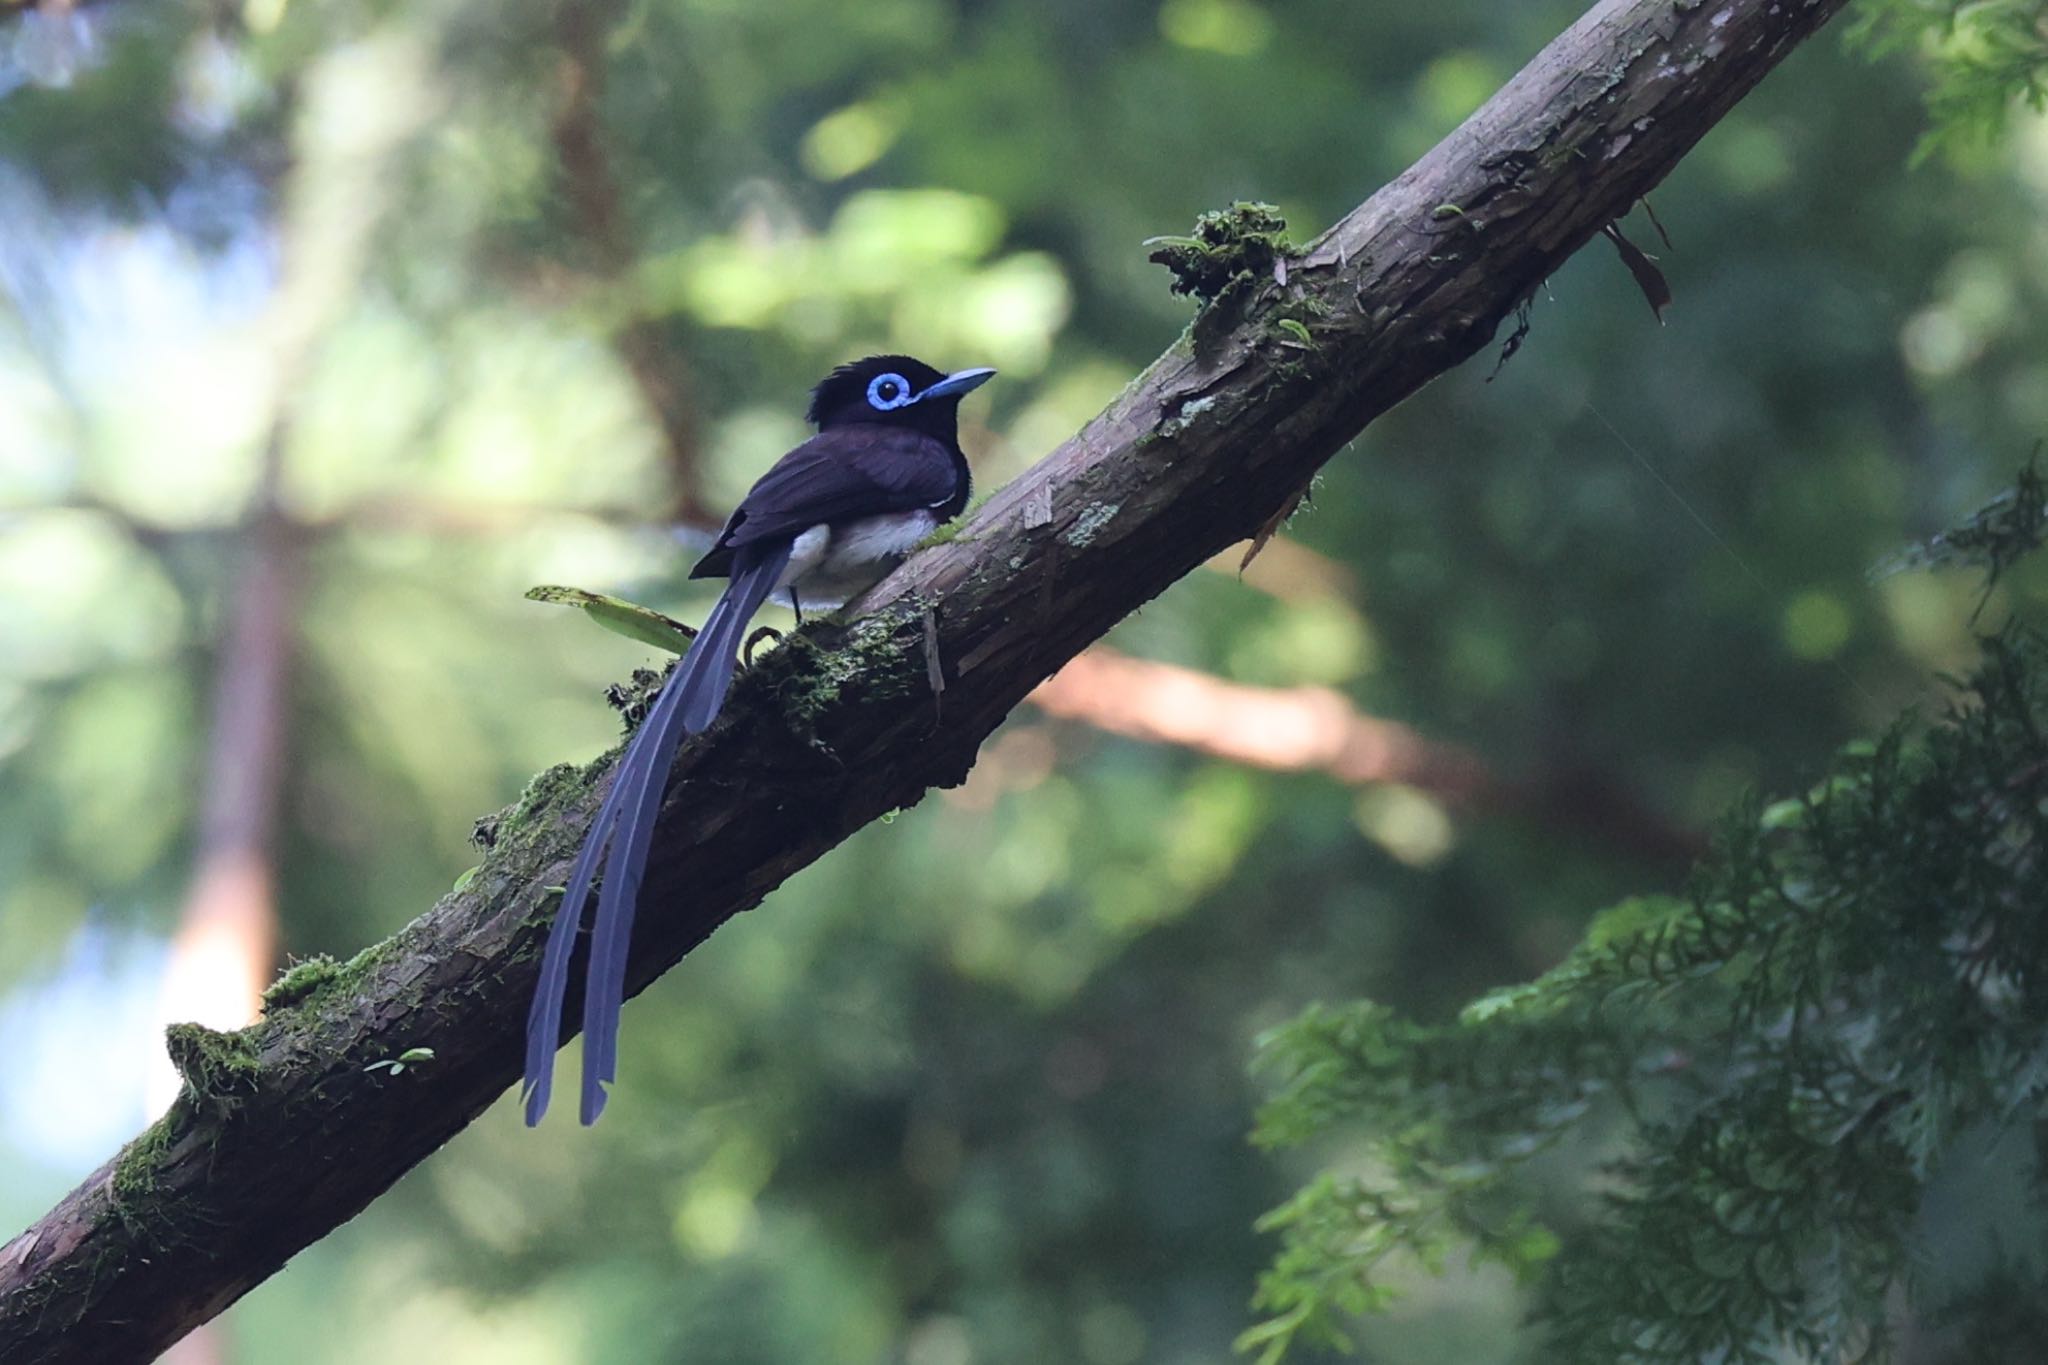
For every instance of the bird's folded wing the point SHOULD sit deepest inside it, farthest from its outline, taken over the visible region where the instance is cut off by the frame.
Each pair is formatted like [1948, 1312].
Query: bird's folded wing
[849, 471]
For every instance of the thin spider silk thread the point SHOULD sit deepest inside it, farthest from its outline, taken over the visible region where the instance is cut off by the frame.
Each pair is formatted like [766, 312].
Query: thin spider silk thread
[1769, 593]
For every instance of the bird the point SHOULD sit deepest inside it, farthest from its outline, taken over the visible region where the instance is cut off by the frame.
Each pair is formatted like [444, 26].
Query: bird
[827, 521]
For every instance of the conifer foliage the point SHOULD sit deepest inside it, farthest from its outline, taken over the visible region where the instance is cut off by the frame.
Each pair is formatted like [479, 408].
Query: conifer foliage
[1712, 1132]
[1982, 55]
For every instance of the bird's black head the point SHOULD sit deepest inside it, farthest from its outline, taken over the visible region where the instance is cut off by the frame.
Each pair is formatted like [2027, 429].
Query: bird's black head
[894, 389]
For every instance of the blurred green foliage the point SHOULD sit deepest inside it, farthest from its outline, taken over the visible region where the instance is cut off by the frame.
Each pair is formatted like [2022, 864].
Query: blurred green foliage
[973, 1089]
[1984, 55]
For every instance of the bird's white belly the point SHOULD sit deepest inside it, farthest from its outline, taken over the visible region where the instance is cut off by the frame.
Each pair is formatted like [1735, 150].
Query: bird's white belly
[829, 565]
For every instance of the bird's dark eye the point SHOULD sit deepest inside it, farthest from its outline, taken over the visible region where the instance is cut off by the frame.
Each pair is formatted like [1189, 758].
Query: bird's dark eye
[886, 391]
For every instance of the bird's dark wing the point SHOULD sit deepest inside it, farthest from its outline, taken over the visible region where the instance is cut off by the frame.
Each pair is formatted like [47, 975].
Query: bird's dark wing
[849, 471]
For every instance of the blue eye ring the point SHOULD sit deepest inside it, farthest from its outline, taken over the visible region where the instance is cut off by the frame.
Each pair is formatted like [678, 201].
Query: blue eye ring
[887, 392]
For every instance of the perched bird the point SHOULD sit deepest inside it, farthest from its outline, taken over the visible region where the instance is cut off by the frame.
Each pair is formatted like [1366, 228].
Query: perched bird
[828, 520]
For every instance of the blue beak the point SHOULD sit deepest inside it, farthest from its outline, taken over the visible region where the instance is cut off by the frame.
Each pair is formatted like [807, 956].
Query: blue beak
[957, 383]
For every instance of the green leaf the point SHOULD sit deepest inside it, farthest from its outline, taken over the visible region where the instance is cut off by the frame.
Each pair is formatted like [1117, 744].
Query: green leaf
[1634, 917]
[620, 617]
[1786, 814]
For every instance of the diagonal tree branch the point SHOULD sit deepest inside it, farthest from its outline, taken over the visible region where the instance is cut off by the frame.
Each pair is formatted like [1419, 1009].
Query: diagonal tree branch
[282, 1134]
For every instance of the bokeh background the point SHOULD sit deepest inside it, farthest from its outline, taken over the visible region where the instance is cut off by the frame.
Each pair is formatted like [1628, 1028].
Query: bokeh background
[327, 328]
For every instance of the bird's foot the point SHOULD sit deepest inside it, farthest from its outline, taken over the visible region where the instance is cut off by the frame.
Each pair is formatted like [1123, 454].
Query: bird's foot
[763, 633]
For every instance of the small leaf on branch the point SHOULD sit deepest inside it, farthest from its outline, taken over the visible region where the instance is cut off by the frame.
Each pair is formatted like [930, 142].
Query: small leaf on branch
[621, 617]
[1271, 525]
[1656, 289]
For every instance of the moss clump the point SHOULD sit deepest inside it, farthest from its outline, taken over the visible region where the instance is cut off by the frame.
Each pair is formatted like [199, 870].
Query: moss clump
[135, 1170]
[353, 971]
[215, 1065]
[545, 789]
[301, 981]
[1240, 243]
[874, 660]
[317, 977]
[514, 828]
[950, 531]
[154, 1207]
[632, 698]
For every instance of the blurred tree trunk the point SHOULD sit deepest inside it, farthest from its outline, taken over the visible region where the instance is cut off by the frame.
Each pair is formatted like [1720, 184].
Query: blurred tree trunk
[592, 193]
[287, 1129]
[226, 941]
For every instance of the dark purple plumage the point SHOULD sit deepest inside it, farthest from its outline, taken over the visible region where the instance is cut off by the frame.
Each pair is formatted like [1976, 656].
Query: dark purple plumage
[857, 470]
[839, 510]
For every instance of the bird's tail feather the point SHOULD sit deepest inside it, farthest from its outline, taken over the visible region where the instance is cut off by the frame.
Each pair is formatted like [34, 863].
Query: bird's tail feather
[688, 703]
[544, 1017]
[706, 671]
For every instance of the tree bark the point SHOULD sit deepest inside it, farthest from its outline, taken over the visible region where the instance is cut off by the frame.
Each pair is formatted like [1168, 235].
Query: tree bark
[283, 1133]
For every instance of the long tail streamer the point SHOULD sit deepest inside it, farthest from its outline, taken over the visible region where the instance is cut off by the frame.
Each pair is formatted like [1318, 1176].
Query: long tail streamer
[688, 703]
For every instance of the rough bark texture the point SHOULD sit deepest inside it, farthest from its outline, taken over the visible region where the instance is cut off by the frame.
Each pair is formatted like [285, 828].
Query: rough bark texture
[283, 1134]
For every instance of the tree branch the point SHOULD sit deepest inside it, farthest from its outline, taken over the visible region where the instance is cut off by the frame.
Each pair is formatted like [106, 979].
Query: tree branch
[282, 1134]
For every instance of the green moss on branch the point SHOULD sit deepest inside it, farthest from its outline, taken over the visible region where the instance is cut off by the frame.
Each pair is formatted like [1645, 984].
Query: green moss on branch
[1246, 241]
